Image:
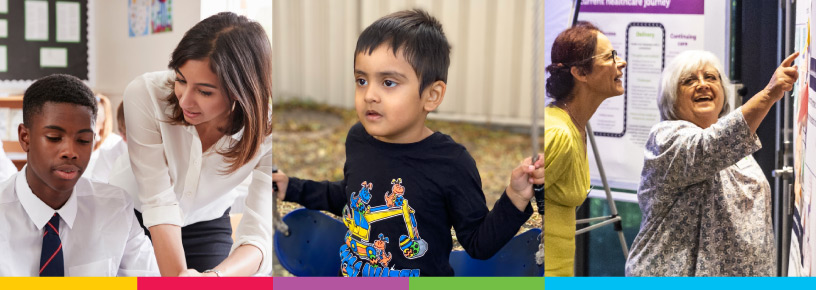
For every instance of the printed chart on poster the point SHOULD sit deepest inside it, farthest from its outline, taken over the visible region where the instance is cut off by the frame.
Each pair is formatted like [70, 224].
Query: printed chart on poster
[803, 245]
[648, 35]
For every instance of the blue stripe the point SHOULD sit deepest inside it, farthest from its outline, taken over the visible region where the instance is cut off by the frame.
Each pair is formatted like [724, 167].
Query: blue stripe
[681, 283]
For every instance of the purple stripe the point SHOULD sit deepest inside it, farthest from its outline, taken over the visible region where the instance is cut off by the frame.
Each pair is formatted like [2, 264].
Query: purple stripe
[338, 283]
[644, 6]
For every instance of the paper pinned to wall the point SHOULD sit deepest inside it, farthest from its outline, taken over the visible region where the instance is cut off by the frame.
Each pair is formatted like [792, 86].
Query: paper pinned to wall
[36, 20]
[68, 27]
[3, 28]
[3, 6]
[3, 59]
[53, 57]
[648, 38]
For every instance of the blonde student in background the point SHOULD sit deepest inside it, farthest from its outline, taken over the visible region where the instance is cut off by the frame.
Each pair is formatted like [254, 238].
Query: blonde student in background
[194, 133]
[109, 147]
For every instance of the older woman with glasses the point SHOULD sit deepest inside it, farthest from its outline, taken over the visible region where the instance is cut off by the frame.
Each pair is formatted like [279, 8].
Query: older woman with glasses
[706, 203]
[585, 72]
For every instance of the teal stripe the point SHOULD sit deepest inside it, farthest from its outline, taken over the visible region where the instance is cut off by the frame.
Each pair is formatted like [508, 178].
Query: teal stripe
[682, 283]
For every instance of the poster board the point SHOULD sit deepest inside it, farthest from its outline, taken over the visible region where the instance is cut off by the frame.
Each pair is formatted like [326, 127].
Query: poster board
[44, 37]
[802, 254]
[648, 34]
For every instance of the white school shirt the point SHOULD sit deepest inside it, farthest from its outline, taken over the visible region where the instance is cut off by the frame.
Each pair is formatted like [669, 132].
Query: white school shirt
[103, 158]
[99, 232]
[179, 185]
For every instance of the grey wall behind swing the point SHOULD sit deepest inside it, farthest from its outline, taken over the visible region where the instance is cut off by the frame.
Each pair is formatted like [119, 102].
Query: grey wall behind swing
[490, 76]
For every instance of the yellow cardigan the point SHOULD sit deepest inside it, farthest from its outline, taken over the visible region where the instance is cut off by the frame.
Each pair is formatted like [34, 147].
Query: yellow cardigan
[566, 182]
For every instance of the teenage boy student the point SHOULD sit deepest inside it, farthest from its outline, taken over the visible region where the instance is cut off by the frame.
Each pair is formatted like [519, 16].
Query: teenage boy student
[404, 185]
[52, 222]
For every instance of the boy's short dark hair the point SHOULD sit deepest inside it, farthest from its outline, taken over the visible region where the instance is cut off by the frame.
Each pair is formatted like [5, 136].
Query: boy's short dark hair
[57, 88]
[419, 35]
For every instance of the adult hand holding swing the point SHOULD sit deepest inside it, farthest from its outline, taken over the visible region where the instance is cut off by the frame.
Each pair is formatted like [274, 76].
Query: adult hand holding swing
[522, 180]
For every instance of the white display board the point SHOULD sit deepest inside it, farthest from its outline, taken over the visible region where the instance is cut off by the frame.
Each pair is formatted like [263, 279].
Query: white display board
[802, 244]
[648, 37]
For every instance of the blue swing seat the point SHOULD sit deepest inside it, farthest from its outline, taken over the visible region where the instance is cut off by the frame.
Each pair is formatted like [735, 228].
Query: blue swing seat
[312, 249]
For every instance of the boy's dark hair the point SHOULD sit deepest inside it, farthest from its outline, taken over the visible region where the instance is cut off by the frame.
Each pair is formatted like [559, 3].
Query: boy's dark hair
[419, 35]
[57, 88]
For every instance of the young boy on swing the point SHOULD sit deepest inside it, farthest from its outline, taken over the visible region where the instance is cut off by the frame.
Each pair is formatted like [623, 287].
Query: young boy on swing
[405, 185]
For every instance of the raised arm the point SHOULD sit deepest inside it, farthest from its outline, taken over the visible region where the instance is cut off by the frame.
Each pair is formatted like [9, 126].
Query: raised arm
[679, 153]
[782, 81]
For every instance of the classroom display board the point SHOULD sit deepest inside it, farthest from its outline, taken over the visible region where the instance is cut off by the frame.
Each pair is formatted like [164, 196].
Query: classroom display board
[43, 37]
[648, 35]
[803, 245]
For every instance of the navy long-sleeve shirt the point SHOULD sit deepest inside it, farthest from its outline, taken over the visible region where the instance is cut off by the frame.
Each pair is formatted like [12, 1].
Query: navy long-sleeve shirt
[400, 202]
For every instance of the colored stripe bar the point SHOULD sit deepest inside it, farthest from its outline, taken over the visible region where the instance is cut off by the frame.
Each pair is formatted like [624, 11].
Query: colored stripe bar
[340, 283]
[681, 283]
[204, 283]
[474, 283]
[67, 283]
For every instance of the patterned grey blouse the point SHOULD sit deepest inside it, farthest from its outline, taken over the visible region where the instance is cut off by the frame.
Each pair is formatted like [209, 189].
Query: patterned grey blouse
[706, 203]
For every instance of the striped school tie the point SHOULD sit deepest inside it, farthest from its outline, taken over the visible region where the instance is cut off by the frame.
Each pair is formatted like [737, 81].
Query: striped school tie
[51, 263]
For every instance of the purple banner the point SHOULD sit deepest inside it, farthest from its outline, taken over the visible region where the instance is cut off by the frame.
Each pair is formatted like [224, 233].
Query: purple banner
[644, 6]
[339, 283]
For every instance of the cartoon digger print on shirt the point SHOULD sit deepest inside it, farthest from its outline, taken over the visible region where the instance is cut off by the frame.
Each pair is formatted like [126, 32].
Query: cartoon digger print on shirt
[358, 216]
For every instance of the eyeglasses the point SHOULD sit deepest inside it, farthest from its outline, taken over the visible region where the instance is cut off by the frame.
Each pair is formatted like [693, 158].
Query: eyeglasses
[614, 54]
[694, 79]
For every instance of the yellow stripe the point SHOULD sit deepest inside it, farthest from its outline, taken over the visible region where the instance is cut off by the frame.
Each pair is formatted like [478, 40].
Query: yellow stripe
[68, 283]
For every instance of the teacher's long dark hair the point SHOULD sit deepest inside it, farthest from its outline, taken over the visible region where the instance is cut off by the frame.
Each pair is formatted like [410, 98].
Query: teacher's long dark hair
[240, 55]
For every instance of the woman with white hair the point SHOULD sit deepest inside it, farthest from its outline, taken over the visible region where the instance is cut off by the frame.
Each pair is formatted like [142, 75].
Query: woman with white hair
[706, 203]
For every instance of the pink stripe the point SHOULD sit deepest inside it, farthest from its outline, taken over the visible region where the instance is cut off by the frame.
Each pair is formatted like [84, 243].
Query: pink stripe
[52, 226]
[52, 257]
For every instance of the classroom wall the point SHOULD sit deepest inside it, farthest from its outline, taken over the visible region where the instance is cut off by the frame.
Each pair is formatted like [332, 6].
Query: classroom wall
[121, 58]
[490, 76]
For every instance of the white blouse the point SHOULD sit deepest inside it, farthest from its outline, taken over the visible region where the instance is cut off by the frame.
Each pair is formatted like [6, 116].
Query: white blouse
[180, 185]
[101, 162]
